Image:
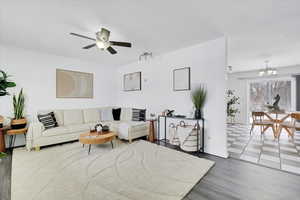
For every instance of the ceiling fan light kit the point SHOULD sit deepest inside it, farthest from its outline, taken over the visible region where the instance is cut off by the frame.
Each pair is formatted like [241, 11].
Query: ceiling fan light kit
[102, 45]
[102, 41]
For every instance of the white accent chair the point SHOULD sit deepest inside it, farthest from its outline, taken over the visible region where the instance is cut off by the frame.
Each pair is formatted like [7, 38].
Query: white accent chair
[71, 123]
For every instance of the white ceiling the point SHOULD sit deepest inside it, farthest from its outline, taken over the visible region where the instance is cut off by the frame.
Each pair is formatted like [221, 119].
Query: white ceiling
[257, 30]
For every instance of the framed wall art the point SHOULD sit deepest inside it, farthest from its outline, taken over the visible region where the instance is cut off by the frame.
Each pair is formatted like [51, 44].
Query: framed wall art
[132, 81]
[182, 79]
[73, 84]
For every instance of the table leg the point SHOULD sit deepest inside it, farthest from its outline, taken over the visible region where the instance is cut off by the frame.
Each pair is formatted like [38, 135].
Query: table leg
[265, 128]
[10, 141]
[89, 148]
[2, 141]
[112, 145]
[289, 132]
[14, 137]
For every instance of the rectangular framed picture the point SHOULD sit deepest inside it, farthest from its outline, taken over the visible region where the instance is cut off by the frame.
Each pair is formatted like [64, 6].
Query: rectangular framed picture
[73, 84]
[132, 81]
[182, 79]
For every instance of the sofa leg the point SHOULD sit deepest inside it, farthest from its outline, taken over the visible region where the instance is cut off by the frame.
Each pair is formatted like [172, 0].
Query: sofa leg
[37, 148]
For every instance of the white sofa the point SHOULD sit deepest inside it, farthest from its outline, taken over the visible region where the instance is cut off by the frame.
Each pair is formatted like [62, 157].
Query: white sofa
[71, 123]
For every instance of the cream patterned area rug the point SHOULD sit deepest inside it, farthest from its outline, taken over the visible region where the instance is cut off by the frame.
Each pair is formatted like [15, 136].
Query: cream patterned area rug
[139, 171]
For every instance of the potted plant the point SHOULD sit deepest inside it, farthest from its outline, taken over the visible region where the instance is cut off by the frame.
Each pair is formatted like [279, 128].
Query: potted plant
[19, 120]
[4, 84]
[232, 101]
[198, 96]
[2, 155]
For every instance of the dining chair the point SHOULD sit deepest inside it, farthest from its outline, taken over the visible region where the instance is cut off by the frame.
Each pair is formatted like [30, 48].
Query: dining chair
[263, 121]
[290, 126]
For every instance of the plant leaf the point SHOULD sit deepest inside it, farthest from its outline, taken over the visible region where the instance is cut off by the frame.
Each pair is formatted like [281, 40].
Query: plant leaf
[10, 84]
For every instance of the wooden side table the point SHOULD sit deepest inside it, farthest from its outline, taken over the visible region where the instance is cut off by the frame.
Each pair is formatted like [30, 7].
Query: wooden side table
[151, 137]
[13, 133]
[2, 140]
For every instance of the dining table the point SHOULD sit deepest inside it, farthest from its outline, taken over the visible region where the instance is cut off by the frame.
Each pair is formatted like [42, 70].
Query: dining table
[278, 117]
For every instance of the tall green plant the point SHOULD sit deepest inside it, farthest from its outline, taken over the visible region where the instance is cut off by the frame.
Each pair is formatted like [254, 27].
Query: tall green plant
[19, 104]
[4, 83]
[199, 97]
[232, 101]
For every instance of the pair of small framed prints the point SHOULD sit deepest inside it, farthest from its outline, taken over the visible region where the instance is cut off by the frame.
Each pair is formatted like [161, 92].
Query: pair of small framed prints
[181, 80]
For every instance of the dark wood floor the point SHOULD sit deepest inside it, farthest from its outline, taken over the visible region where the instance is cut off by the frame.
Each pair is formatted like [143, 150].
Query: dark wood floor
[5, 177]
[228, 179]
[236, 179]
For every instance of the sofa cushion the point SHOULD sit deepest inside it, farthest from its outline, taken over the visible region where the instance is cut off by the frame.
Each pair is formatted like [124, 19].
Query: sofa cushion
[91, 115]
[116, 113]
[113, 125]
[56, 131]
[123, 128]
[126, 114]
[138, 125]
[93, 124]
[73, 117]
[59, 115]
[78, 128]
[106, 114]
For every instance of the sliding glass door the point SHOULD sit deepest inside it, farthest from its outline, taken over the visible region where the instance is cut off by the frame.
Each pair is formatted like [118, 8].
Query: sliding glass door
[262, 92]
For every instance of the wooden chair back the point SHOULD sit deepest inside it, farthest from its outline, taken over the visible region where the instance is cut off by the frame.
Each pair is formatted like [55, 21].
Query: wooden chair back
[258, 116]
[295, 116]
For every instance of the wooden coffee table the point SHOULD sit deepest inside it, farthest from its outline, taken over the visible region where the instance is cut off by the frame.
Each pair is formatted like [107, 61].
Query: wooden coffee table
[97, 138]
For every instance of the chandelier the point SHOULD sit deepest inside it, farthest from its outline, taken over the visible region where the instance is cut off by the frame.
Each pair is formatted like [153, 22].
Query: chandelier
[267, 71]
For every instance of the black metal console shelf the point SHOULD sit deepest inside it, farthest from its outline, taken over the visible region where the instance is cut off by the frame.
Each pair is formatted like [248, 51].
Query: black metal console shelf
[164, 140]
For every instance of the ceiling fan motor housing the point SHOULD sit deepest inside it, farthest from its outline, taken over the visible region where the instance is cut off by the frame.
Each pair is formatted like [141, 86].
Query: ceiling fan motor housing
[103, 35]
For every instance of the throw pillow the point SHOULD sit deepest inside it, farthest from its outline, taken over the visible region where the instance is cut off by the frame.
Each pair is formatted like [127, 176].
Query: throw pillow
[138, 114]
[106, 114]
[116, 113]
[48, 120]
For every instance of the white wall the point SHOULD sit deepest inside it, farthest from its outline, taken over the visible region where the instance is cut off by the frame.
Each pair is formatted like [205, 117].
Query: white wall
[207, 62]
[239, 82]
[35, 72]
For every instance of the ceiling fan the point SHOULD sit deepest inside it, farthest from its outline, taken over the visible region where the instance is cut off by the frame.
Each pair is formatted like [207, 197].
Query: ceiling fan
[102, 41]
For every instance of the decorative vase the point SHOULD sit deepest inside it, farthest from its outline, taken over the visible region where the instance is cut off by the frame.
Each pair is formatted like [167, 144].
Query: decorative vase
[198, 114]
[18, 123]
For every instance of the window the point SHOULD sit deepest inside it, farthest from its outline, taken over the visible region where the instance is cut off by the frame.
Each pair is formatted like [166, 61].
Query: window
[263, 92]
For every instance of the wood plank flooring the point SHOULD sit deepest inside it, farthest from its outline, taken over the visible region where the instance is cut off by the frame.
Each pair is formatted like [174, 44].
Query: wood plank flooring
[236, 179]
[228, 179]
[5, 177]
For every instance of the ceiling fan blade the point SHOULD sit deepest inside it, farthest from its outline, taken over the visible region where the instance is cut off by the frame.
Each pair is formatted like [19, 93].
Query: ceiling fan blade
[82, 36]
[121, 44]
[89, 46]
[111, 50]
